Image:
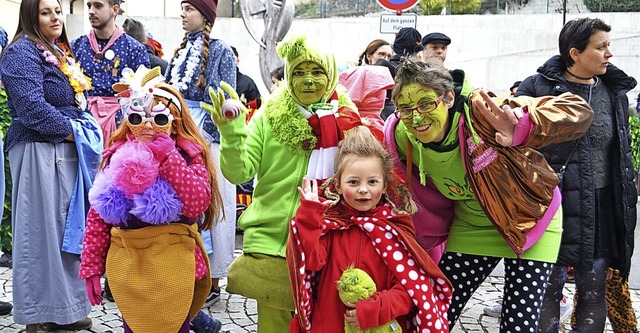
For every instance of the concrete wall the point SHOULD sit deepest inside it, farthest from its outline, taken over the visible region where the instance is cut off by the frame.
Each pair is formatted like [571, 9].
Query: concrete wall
[494, 50]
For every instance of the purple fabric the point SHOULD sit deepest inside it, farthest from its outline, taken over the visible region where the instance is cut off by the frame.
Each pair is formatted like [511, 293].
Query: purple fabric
[109, 202]
[435, 211]
[113, 206]
[158, 204]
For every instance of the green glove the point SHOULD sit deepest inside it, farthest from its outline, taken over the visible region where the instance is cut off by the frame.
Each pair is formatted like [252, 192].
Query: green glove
[217, 99]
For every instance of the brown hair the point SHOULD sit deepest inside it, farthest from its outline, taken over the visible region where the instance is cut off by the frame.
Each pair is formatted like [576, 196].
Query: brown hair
[28, 24]
[430, 73]
[360, 142]
[370, 50]
[202, 82]
[184, 127]
[135, 29]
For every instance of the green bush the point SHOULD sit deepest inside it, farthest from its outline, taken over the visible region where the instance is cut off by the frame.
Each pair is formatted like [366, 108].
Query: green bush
[613, 5]
[5, 225]
[634, 128]
[434, 7]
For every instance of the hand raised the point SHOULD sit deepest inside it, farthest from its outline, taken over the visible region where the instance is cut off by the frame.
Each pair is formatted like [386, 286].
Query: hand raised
[504, 119]
[309, 189]
[218, 99]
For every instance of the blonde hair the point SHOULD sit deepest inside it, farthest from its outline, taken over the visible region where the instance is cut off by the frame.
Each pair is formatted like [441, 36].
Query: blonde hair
[360, 142]
[184, 127]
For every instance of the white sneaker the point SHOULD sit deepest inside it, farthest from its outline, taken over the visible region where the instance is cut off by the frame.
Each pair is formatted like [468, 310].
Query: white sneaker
[493, 310]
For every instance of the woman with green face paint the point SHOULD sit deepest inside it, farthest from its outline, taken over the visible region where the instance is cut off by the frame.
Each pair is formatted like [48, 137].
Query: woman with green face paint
[481, 185]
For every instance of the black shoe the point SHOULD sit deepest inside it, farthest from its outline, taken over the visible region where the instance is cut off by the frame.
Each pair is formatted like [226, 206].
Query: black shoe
[6, 260]
[5, 308]
[106, 292]
[213, 297]
[82, 324]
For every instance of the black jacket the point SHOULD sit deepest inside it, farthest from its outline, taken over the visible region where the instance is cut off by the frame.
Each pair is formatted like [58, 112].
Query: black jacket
[154, 60]
[577, 189]
[245, 86]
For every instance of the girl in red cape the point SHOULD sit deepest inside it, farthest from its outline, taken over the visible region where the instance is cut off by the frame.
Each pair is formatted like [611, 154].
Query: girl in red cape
[363, 221]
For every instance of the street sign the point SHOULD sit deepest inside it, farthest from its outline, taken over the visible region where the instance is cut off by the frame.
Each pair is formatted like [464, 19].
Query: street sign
[392, 23]
[398, 5]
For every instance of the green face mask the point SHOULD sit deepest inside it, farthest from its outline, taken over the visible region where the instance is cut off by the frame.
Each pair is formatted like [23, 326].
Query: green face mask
[309, 82]
[423, 112]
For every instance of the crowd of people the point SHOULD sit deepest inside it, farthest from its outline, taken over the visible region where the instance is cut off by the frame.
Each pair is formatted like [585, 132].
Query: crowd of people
[126, 169]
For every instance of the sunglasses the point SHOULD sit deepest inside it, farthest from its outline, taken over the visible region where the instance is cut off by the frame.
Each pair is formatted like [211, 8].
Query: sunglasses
[159, 119]
[422, 108]
[161, 116]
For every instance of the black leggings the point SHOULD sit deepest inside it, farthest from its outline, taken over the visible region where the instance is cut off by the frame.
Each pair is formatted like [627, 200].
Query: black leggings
[591, 310]
[524, 284]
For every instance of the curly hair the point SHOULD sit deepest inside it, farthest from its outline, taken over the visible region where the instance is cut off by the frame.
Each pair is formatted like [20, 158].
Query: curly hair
[361, 143]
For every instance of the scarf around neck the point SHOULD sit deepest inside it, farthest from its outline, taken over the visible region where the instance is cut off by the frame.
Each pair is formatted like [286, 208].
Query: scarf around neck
[393, 238]
[93, 42]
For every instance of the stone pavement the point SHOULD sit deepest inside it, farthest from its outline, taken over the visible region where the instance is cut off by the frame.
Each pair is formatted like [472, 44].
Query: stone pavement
[239, 314]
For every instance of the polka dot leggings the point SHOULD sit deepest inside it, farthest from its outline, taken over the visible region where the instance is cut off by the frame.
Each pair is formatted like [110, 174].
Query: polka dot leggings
[524, 285]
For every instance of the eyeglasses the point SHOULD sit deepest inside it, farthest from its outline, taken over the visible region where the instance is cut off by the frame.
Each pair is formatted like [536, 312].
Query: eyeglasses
[422, 108]
[160, 119]
[382, 54]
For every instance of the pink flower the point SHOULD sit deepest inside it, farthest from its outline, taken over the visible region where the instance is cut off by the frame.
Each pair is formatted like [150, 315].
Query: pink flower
[133, 168]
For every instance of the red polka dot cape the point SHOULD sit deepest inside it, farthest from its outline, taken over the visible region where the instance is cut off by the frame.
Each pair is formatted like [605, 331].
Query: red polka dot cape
[394, 239]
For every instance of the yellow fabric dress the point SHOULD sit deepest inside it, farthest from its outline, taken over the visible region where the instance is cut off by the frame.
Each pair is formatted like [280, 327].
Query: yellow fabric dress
[155, 265]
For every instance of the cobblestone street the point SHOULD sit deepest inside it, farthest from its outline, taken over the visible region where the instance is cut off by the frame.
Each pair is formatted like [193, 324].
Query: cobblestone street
[239, 314]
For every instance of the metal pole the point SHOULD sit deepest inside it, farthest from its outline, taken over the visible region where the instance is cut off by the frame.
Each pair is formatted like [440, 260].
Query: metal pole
[450, 7]
[233, 5]
[497, 6]
[564, 12]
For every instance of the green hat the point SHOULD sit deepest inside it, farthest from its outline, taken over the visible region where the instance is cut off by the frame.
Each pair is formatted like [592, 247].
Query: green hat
[297, 50]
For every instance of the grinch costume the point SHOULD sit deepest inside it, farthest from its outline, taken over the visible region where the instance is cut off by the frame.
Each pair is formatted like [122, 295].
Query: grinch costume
[283, 142]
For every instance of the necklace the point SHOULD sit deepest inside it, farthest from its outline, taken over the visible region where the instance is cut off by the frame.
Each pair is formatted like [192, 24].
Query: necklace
[579, 77]
[72, 70]
[182, 82]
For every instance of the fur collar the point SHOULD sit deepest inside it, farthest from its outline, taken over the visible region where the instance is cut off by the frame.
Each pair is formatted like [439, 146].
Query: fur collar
[288, 124]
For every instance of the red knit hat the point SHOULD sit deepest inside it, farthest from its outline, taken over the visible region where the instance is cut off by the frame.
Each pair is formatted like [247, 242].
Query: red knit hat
[206, 7]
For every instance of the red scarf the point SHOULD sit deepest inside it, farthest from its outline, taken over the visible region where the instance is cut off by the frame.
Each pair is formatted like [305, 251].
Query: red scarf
[324, 125]
[427, 286]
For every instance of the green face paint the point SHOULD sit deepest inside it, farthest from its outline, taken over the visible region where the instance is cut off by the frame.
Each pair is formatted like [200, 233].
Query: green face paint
[423, 112]
[309, 82]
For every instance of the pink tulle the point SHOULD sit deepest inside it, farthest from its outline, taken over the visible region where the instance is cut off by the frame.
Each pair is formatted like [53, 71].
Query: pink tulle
[133, 168]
